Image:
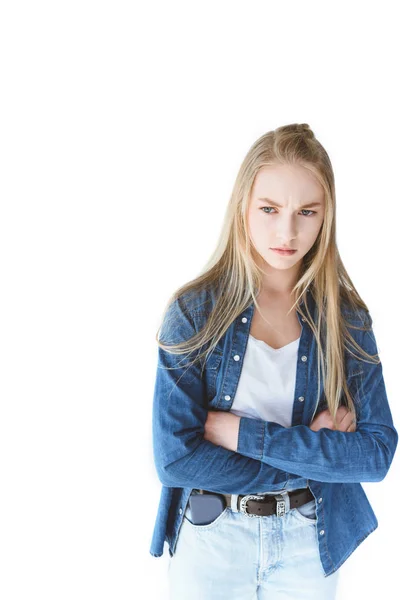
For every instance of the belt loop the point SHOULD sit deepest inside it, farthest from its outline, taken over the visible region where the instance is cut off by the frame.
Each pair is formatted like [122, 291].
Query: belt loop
[234, 499]
[282, 497]
[287, 501]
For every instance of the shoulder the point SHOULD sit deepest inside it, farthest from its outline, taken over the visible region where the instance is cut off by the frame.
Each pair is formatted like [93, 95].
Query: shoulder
[356, 316]
[187, 306]
[197, 301]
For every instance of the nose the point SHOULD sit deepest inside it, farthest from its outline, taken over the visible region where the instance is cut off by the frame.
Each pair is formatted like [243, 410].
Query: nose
[286, 231]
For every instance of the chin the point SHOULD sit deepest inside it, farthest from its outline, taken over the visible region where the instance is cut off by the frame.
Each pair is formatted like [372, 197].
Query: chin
[283, 262]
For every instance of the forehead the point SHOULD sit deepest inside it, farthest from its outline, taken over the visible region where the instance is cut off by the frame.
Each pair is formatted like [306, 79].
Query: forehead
[287, 182]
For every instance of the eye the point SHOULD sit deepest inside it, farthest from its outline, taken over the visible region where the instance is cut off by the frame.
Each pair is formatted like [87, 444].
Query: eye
[303, 210]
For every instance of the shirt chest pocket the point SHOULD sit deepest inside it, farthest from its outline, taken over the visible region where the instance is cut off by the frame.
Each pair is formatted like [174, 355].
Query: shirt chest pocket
[353, 380]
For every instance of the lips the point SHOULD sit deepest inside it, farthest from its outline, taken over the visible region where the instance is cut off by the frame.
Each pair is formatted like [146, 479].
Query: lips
[283, 252]
[285, 249]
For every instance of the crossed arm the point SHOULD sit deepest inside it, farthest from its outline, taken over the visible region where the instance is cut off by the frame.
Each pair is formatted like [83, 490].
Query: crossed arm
[222, 428]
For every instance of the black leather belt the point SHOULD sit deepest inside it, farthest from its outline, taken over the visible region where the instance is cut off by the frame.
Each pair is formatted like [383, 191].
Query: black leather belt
[263, 506]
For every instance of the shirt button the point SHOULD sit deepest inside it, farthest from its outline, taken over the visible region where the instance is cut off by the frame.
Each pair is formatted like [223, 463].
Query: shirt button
[319, 500]
[180, 511]
[244, 320]
[236, 357]
[301, 399]
[321, 532]
[227, 398]
[302, 318]
[304, 358]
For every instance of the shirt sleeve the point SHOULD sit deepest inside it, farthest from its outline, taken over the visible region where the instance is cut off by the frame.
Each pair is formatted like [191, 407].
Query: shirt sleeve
[330, 455]
[183, 458]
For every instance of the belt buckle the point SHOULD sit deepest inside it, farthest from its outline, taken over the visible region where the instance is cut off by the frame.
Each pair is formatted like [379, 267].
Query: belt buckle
[243, 504]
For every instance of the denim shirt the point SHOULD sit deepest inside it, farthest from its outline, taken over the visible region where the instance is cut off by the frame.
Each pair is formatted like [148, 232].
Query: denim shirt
[269, 456]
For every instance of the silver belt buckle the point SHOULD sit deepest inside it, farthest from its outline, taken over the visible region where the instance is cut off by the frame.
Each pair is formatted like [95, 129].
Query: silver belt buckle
[243, 504]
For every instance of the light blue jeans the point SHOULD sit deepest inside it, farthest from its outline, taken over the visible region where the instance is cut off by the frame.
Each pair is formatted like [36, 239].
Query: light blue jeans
[237, 557]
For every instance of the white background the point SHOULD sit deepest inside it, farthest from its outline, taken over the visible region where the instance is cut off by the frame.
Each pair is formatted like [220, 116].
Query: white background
[123, 125]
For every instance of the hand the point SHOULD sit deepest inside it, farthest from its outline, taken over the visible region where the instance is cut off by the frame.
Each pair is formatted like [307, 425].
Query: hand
[344, 420]
[222, 429]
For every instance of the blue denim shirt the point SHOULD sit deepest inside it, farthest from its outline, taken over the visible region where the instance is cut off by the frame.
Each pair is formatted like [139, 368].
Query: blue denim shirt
[269, 457]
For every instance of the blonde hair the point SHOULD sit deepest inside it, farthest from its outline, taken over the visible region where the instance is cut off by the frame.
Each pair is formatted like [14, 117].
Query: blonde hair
[232, 267]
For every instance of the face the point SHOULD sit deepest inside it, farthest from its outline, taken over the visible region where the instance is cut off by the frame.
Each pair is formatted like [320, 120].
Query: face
[282, 213]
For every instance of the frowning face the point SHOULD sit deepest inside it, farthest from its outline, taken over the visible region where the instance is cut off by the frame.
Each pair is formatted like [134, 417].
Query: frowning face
[287, 208]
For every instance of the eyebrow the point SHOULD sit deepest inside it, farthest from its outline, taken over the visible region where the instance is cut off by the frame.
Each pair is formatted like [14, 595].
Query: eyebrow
[280, 205]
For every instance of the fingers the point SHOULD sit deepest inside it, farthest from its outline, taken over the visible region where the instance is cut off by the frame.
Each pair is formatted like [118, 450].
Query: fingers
[347, 422]
[345, 419]
[352, 428]
[353, 425]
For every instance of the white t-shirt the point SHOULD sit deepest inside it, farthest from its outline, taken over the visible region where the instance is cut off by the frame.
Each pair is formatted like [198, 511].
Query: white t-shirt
[266, 389]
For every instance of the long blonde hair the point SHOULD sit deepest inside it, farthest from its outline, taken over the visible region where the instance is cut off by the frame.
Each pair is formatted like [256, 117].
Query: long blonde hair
[232, 267]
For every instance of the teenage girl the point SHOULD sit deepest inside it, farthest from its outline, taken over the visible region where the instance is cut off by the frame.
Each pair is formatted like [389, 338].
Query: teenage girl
[270, 406]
